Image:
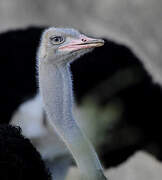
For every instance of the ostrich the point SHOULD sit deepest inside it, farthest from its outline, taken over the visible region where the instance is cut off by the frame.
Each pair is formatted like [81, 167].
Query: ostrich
[18, 157]
[58, 48]
[19, 97]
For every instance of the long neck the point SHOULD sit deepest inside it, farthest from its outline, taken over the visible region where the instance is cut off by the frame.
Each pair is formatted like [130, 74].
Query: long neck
[56, 89]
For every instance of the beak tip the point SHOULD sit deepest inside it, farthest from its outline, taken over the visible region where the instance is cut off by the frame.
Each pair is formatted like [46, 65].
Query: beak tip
[101, 42]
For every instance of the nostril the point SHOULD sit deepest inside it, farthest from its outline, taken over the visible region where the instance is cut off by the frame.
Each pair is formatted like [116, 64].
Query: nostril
[84, 40]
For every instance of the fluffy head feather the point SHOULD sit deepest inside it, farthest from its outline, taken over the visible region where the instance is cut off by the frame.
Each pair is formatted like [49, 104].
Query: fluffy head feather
[65, 45]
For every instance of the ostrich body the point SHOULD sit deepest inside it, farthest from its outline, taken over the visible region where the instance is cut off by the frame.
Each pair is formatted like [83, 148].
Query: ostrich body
[18, 157]
[58, 48]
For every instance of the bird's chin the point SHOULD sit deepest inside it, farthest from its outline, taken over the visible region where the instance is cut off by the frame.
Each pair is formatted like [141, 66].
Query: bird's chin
[82, 51]
[79, 52]
[70, 56]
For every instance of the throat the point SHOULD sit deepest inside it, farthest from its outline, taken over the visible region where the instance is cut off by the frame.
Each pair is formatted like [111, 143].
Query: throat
[56, 89]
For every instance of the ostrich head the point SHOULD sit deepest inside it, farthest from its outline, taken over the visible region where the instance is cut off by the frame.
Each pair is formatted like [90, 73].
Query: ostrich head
[65, 45]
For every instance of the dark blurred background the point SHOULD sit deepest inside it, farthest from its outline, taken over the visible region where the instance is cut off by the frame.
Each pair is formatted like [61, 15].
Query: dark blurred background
[136, 22]
[117, 87]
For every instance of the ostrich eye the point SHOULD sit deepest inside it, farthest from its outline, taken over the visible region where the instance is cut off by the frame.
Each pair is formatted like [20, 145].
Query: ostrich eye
[57, 40]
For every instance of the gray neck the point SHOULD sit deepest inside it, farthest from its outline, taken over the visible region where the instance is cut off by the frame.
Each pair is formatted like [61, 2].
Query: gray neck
[56, 90]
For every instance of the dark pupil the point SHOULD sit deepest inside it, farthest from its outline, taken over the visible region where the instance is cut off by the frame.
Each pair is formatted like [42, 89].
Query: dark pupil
[58, 39]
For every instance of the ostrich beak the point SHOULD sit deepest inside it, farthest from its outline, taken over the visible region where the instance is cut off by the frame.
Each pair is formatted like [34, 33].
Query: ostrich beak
[83, 42]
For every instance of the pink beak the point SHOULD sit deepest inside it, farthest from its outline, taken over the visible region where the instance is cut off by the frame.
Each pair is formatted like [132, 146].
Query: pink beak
[82, 43]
